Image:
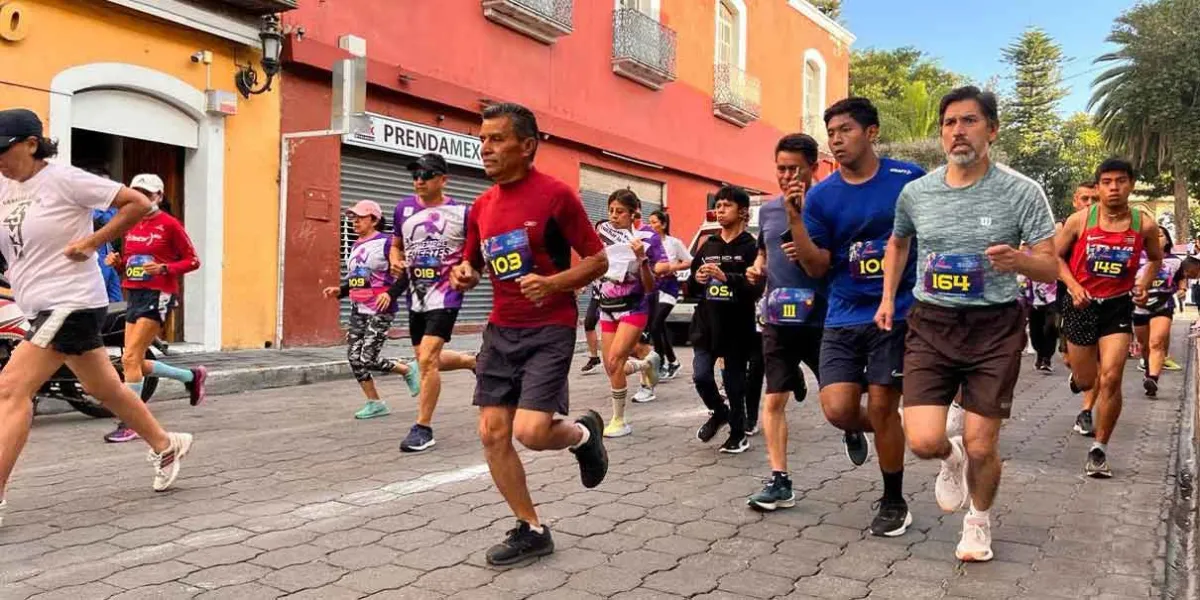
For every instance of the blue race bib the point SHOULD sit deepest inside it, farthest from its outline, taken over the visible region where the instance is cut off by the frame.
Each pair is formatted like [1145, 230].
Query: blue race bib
[866, 260]
[789, 306]
[1107, 261]
[509, 255]
[135, 269]
[425, 269]
[959, 275]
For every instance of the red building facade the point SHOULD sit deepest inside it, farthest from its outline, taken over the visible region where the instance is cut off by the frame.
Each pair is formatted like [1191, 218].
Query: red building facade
[670, 98]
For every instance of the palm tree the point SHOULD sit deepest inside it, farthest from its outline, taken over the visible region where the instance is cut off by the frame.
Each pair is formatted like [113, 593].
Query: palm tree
[911, 116]
[1147, 103]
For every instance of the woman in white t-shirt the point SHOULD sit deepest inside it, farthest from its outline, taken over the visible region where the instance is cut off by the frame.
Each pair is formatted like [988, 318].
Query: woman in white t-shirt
[679, 259]
[46, 237]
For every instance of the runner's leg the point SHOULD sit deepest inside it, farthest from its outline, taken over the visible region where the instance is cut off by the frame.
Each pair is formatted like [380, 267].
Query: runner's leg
[1159, 339]
[28, 368]
[1113, 352]
[617, 348]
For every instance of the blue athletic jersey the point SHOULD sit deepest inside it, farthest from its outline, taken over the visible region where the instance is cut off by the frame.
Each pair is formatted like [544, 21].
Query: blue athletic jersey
[854, 222]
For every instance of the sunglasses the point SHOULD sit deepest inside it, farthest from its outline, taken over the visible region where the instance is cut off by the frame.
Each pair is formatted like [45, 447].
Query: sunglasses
[425, 175]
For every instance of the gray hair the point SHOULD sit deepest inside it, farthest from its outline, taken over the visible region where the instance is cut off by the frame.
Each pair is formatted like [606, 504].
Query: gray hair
[523, 121]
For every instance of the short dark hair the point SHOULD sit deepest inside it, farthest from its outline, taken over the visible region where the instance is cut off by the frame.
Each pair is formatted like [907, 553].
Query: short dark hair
[523, 120]
[625, 197]
[735, 194]
[665, 218]
[46, 148]
[860, 109]
[986, 100]
[1091, 183]
[1116, 163]
[1190, 262]
[799, 143]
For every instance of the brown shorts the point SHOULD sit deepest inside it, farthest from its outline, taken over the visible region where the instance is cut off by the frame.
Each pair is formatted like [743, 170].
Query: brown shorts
[525, 367]
[977, 349]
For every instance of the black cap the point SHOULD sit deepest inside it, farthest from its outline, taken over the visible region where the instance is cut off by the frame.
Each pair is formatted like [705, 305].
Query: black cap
[17, 124]
[430, 162]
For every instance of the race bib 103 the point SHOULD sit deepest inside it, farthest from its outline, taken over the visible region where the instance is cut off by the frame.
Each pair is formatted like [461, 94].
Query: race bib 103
[509, 255]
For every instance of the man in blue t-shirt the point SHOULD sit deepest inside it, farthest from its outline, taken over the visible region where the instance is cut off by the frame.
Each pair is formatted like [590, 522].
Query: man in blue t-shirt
[847, 220]
[793, 313]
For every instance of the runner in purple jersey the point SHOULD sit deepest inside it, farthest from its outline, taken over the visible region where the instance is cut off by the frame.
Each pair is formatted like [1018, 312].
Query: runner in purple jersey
[430, 231]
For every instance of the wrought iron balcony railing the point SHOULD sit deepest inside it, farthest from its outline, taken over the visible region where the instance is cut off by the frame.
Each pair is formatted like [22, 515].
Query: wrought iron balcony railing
[736, 95]
[542, 20]
[643, 48]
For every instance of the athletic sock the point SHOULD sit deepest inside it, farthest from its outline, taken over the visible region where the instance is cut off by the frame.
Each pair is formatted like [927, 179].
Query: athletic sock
[585, 435]
[893, 485]
[618, 401]
[162, 369]
[1153, 378]
[1102, 447]
[136, 386]
[781, 475]
[975, 513]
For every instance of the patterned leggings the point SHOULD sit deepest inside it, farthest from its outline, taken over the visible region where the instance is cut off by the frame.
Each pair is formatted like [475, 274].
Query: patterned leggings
[365, 340]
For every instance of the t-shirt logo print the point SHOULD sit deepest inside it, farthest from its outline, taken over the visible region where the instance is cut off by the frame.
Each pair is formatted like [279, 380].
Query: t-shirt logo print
[14, 222]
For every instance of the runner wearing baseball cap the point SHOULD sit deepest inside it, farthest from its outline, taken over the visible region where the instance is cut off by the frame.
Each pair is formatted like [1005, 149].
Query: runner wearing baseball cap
[372, 291]
[157, 254]
[47, 240]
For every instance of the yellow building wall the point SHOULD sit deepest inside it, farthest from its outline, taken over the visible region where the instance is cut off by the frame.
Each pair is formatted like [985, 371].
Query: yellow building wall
[61, 34]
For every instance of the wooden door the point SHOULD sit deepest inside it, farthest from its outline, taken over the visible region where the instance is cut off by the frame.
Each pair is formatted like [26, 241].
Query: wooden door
[166, 161]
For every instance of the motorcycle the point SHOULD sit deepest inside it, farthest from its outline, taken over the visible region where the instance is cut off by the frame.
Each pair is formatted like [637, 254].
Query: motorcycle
[63, 385]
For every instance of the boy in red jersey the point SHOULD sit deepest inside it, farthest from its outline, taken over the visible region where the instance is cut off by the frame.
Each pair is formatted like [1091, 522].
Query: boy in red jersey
[1098, 251]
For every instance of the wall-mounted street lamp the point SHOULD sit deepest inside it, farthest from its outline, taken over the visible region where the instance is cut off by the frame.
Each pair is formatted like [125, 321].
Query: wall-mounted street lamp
[271, 35]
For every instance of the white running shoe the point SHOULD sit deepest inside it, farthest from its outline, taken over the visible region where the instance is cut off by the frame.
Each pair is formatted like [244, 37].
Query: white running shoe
[655, 371]
[644, 395]
[976, 542]
[954, 420]
[166, 465]
[951, 486]
[3, 507]
[617, 428]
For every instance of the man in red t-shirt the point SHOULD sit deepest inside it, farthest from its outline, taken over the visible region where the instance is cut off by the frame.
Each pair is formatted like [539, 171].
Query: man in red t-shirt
[523, 229]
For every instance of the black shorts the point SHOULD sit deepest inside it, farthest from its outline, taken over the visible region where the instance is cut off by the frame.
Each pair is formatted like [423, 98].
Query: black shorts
[1162, 308]
[592, 316]
[149, 304]
[863, 354]
[525, 367]
[783, 349]
[437, 323]
[1100, 318]
[68, 331]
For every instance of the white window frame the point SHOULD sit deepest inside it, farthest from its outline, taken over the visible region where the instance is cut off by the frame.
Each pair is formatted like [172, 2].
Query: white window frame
[655, 9]
[814, 57]
[739, 12]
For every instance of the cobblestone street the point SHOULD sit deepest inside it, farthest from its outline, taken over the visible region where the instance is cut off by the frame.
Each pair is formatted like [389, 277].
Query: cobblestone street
[285, 495]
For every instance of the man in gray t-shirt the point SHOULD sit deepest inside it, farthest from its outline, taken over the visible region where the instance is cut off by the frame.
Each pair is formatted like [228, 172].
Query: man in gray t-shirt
[966, 331]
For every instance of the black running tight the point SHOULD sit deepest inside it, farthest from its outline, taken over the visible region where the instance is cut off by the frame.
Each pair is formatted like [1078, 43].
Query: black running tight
[658, 332]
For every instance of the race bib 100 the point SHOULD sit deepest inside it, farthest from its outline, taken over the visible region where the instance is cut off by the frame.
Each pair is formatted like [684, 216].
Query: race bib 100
[509, 255]
[866, 260]
[958, 275]
[135, 269]
[789, 306]
[1107, 261]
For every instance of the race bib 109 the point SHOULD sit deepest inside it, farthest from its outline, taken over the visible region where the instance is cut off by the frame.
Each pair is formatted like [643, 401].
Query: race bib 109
[959, 275]
[789, 306]
[509, 255]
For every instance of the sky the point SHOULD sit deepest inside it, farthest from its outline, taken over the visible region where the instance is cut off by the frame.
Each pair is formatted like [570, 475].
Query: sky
[967, 36]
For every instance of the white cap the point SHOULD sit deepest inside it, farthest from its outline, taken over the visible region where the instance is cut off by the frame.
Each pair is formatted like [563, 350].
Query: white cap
[148, 182]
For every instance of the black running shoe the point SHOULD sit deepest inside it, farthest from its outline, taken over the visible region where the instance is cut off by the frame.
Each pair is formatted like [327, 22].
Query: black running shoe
[1151, 387]
[776, 494]
[521, 544]
[801, 393]
[592, 457]
[1083, 424]
[419, 439]
[590, 367]
[856, 447]
[1097, 465]
[735, 445]
[710, 427]
[893, 518]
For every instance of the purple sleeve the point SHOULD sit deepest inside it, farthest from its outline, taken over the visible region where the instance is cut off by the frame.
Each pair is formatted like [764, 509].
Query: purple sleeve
[396, 212]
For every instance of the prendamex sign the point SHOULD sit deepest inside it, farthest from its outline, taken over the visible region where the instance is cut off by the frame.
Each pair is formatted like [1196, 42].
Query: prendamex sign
[406, 137]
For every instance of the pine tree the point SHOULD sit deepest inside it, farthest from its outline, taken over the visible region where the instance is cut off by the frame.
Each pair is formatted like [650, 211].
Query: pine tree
[1031, 129]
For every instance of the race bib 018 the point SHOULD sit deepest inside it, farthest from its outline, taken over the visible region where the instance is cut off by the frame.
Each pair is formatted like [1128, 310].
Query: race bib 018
[959, 275]
[1107, 261]
[866, 260]
[509, 255]
[135, 269]
[789, 306]
[425, 269]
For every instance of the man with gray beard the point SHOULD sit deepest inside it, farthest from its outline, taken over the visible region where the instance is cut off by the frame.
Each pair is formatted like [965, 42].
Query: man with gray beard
[966, 330]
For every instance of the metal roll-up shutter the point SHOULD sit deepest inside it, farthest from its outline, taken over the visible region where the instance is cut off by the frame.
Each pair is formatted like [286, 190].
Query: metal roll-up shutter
[384, 178]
